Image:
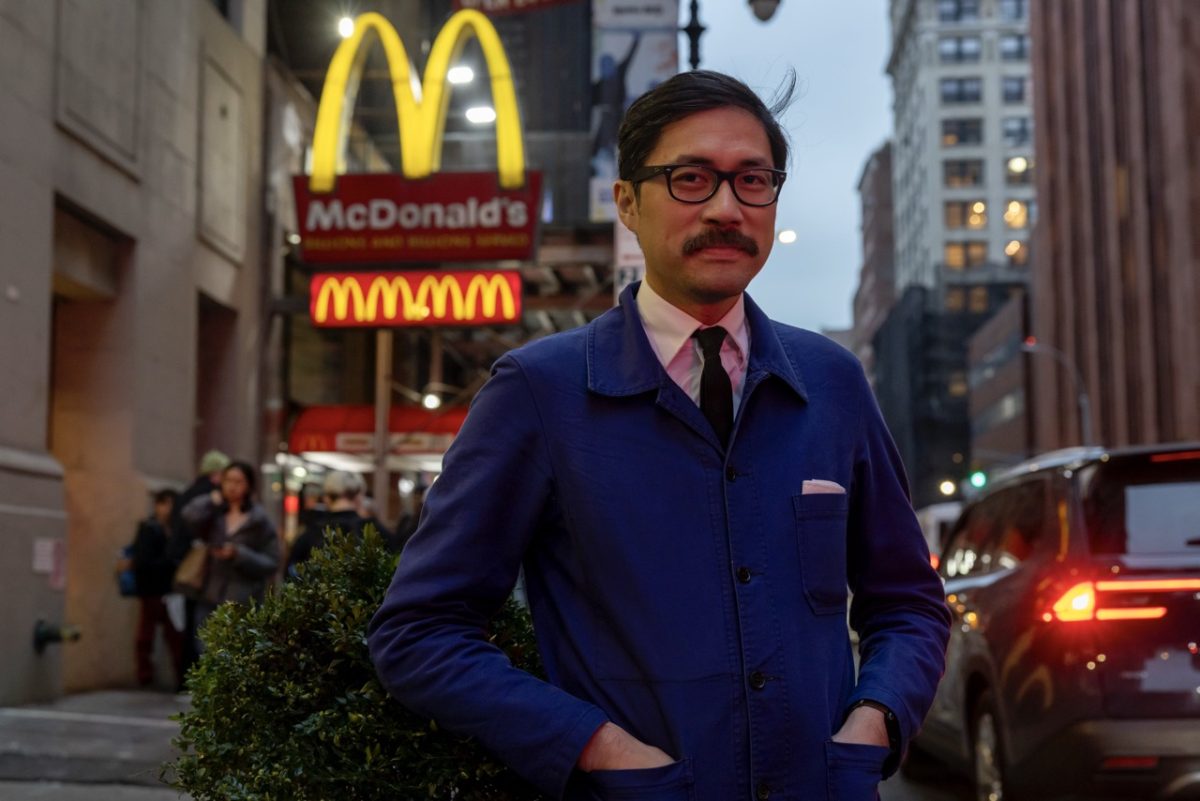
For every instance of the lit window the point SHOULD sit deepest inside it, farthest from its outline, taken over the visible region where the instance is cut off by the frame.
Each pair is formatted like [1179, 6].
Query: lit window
[1018, 171]
[979, 299]
[957, 385]
[961, 173]
[957, 132]
[1016, 214]
[955, 299]
[1017, 252]
[970, 214]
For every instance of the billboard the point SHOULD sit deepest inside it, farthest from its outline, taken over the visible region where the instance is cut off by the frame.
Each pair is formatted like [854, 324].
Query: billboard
[384, 217]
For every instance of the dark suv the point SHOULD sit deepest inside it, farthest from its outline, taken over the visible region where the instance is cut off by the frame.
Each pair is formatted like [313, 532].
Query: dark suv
[1073, 669]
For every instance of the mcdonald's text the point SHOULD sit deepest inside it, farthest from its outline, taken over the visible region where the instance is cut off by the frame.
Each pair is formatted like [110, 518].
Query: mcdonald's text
[447, 217]
[444, 298]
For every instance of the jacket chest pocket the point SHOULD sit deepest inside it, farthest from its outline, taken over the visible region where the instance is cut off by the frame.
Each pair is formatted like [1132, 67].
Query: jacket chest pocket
[821, 544]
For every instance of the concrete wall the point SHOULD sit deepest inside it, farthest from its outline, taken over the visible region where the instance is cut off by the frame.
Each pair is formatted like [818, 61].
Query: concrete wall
[129, 174]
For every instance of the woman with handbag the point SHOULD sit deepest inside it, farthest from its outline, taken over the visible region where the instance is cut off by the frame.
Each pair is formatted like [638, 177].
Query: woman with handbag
[243, 549]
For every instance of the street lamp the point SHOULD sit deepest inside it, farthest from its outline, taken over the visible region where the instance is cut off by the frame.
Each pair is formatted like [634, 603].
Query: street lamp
[1031, 345]
[762, 9]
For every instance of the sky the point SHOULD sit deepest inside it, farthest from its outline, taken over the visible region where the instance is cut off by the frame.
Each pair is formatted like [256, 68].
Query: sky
[841, 114]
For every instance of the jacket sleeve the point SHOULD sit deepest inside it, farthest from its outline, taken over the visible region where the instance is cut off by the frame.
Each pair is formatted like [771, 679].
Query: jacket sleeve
[899, 608]
[198, 516]
[429, 640]
[261, 561]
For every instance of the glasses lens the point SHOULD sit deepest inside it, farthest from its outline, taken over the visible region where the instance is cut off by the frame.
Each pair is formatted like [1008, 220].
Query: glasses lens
[692, 183]
[756, 187]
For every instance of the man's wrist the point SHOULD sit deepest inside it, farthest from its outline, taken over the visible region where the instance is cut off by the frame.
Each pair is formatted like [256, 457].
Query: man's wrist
[891, 723]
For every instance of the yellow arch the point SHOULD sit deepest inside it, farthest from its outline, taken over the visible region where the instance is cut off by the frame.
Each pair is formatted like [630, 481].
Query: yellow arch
[420, 109]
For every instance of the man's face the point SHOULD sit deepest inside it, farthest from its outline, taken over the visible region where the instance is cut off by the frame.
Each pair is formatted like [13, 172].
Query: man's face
[707, 280]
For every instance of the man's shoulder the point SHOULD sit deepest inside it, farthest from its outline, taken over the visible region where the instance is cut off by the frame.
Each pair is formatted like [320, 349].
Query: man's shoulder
[556, 352]
[809, 349]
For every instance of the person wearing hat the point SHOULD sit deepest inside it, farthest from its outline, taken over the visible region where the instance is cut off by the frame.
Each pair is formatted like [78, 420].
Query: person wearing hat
[212, 463]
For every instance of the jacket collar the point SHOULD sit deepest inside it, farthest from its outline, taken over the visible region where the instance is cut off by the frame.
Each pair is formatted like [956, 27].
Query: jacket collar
[620, 360]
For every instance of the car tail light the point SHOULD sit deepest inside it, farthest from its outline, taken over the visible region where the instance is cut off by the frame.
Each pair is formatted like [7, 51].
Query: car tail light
[1089, 600]
[1129, 763]
[933, 560]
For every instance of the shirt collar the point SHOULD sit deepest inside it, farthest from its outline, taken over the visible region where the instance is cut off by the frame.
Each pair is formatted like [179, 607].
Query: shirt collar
[669, 328]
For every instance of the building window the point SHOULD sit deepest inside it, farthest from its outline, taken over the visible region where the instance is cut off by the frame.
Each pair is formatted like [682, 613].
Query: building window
[962, 172]
[965, 255]
[962, 90]
[1018, 171]
[1012, 88]
[956, 386]
[978, 300]
[1014, 10]
[971, 214]
[962, 132]
[1014, 47]
[1017, 131]
[1017, 252]
[957, 10]
[959, 49]
[1016, 214]
[955, 300]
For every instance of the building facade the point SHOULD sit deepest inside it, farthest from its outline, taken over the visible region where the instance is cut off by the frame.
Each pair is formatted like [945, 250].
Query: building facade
[1118, 276]
[998, 382]
[963, 136]
[877, 277]
[130, 252]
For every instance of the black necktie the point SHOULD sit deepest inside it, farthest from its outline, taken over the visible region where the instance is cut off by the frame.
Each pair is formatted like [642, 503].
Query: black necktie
[716, 390]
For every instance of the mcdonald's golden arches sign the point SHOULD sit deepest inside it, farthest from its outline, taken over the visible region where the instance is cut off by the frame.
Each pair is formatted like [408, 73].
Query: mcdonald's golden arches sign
[420, 215]
[413, 298]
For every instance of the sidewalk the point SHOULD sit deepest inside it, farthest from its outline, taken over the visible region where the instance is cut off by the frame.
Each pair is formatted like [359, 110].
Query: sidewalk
[62, 750]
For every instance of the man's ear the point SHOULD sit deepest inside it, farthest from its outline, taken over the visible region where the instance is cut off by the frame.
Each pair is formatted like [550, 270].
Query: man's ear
[627, 204]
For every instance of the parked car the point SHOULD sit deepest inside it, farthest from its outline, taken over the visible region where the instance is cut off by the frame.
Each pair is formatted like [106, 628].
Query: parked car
[1073, 669]
[936, 521]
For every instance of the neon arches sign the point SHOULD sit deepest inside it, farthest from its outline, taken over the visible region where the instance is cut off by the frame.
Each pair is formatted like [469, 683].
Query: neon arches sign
[420, 107]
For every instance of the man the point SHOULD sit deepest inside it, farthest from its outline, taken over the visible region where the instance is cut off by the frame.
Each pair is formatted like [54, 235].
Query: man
[344, 492]
[689, 511]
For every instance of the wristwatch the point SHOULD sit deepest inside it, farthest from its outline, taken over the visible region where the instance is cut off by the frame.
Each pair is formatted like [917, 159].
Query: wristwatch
[893, 731]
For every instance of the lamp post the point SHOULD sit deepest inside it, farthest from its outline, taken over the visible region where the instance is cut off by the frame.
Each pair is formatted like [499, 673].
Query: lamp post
[1031, 345]
[762, 9]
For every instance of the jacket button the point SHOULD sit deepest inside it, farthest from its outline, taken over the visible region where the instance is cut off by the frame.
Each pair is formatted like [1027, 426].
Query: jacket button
[730, 474]
[743, 575]
[763, 792]
[758, 680]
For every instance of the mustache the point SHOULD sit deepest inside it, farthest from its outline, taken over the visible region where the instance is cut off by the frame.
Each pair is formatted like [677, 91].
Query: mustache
[720, 237]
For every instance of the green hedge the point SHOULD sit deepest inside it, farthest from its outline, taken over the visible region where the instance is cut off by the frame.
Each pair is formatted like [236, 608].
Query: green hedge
[286, 705]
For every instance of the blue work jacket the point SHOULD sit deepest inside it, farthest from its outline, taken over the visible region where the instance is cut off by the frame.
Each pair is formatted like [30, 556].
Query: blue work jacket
[694, 595]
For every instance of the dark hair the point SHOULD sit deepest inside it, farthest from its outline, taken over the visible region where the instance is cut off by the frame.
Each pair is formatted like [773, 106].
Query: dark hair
[689, 93]
[247, 470]
[164, 495]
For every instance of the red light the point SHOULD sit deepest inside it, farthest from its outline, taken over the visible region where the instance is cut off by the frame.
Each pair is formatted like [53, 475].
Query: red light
[1146, 613]
[1150, 585]
[934, 560]
[1129, 763]
[1077, 603]
[1182, 456]
[291, 504]
[1031, 340]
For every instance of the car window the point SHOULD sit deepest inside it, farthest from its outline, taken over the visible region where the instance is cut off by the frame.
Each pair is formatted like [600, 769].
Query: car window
[964, 553]
[1149, 504]
[1021, 521]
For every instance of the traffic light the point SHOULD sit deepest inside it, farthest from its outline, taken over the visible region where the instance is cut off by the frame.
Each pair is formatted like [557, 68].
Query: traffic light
[978, 479]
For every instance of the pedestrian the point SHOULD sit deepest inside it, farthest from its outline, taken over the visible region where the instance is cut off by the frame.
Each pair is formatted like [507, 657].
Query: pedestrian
[180, 543]
[243, 548]
[152, 569]
[343, 492]
[691, 489]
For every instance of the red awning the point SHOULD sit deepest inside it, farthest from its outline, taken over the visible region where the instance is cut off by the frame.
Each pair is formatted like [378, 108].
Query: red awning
[350, 429]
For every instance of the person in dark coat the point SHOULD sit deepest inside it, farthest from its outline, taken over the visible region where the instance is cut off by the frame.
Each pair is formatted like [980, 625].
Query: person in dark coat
[343, 497]
[212, 463]
[153, 569]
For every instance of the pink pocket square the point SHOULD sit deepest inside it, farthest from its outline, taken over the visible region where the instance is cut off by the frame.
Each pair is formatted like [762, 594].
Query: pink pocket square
[818, 486]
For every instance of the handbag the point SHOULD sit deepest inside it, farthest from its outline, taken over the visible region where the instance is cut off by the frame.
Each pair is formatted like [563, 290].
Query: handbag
[192, 571]
[126, 578]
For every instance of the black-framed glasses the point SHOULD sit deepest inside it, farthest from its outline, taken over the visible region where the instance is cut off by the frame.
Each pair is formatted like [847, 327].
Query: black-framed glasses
[696, 183]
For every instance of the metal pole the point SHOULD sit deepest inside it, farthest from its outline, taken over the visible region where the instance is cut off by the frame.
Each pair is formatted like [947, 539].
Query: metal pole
[693, 30]
[1081, 395]
[383, 408]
